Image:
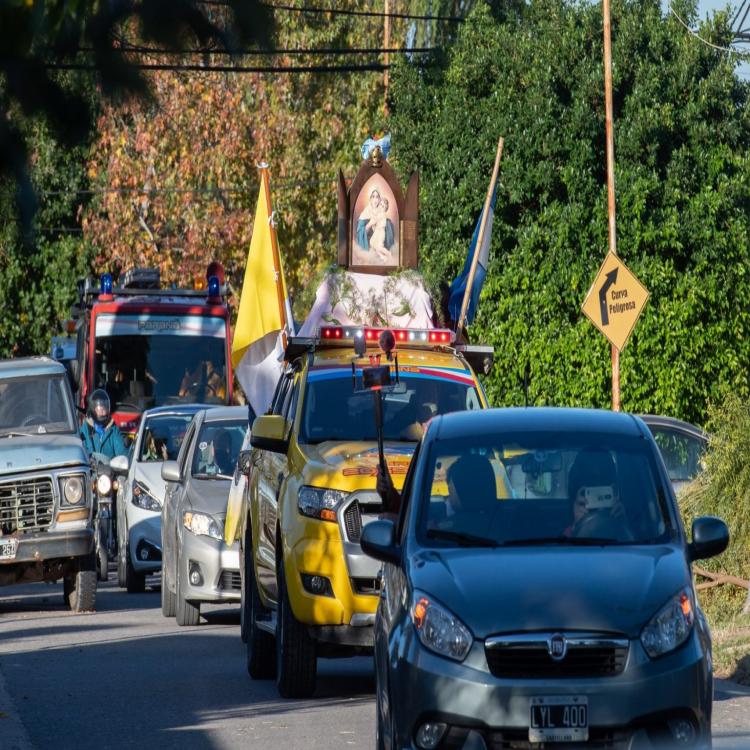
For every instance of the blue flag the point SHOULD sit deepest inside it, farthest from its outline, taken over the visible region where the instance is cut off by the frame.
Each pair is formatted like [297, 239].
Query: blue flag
[458, 287]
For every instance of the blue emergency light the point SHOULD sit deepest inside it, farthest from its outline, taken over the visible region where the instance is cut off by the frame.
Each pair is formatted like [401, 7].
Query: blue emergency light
[214, 287]
[105, 283]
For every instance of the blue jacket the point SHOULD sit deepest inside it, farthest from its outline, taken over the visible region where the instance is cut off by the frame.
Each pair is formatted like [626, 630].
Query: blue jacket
[110, 444]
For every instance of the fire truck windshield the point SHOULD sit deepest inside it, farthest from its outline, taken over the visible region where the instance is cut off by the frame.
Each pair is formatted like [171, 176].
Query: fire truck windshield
[142, 371]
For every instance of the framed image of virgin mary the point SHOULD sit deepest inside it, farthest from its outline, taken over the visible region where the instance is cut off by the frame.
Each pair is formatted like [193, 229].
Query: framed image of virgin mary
[375, 240]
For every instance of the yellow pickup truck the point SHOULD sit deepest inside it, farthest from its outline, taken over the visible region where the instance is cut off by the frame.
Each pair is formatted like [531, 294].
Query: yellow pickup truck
[308, 590]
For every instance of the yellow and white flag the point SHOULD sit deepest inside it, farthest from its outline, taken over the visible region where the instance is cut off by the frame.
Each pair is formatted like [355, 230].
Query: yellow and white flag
[264, 309]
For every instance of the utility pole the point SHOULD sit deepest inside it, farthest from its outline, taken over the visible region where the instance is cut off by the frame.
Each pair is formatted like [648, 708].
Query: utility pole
[610, 180]
[386, 57]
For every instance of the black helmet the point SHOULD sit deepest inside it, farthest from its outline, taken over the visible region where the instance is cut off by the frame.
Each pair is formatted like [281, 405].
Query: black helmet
[99, 397]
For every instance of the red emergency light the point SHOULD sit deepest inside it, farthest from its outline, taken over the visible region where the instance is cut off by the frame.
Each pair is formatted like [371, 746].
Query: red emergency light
[427, 337]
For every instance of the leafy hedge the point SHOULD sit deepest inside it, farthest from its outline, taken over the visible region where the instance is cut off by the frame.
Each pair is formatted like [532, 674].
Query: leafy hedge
[723, 490]
[682, 133]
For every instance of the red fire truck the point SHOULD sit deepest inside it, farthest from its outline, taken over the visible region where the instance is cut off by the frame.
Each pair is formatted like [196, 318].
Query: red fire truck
[149, 346]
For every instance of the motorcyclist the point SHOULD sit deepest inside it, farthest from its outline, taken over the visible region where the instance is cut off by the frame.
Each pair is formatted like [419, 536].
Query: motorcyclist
[99, 432]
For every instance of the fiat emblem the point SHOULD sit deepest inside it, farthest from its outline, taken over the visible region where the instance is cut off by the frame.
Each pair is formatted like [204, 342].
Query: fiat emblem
[557, 647]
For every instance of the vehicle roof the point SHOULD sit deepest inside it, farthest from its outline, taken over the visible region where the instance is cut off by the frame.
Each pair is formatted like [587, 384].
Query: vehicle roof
[657, 420]
[487, 422]
[175, 409]
[24, 366]
[219, 413]
[416, 357]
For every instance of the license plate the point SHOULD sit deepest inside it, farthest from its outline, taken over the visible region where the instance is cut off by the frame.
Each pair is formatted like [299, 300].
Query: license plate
[8, 547]
[559, 718]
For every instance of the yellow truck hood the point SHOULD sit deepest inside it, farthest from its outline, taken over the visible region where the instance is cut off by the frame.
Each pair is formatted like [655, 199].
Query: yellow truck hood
[354, 465]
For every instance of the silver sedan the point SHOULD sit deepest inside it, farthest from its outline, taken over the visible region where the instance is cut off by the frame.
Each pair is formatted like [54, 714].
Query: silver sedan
[198, 566]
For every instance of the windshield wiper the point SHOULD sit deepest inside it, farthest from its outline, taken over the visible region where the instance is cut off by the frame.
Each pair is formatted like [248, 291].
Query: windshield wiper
[203, 475]
[19, 434]
[582, 541]
[468, 540]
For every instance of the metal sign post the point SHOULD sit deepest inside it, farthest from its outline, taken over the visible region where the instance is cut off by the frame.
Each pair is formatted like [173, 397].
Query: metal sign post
[610, 180]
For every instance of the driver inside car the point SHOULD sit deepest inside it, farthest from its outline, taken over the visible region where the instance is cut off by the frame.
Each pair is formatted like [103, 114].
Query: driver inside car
[595, 502]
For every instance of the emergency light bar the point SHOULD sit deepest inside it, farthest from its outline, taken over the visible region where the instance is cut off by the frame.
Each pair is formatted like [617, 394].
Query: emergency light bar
[413, 336]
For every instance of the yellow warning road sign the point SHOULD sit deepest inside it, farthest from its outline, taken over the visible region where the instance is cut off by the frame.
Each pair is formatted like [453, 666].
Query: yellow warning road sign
[615, 301]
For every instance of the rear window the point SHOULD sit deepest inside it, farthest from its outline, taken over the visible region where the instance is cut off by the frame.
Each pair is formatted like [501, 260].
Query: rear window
[336, 409]
[545, 488]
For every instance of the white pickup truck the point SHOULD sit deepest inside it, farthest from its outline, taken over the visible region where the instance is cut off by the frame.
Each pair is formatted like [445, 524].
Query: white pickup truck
[46, 505]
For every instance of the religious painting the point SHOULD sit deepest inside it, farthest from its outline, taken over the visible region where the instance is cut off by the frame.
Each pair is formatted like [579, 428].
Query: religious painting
[375, 240]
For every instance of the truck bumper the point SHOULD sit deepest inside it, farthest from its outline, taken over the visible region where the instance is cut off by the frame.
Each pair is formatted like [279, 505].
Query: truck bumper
[52, 545]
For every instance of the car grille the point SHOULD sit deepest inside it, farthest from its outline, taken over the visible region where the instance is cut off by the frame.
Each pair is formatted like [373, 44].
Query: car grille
[352, 518]
[366, 585]
[26, 505]
[230, 580]
[528, 657]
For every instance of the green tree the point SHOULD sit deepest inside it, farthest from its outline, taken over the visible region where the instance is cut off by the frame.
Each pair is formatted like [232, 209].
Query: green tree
[535, 75]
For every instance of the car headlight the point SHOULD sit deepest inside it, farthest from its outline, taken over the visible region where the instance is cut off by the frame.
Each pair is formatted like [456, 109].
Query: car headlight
[73, 489]
[670, 627]
[201, 524]
[103, 484]
[439, 629]
[142, 497]
[317, 502]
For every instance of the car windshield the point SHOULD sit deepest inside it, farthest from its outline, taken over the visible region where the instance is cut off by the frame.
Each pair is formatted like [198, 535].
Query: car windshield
[217, 449]
[36, 405]
[544, 488]
[147, 361]
[162, 437]
[335, 410]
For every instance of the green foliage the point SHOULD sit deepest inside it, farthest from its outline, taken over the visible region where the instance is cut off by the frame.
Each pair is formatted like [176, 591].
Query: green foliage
[723, 490]
[681, 144]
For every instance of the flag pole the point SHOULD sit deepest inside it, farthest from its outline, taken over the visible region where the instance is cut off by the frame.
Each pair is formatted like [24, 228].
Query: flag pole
[480, 239]
[265, 181]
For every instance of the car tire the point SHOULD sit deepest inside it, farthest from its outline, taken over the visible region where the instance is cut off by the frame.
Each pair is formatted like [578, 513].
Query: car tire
[244, 599]
[135, 582]
[186, 612]
[296, 661]
[167, 597]
[261, 656]
[102, 564]
[79, 585]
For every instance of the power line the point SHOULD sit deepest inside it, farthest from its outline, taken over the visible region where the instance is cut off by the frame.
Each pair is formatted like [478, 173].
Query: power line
[363, 68]
[344, 12]
[126, 48]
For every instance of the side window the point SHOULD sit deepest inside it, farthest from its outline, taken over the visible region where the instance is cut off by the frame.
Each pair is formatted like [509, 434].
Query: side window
[281, 402]
[472, 400]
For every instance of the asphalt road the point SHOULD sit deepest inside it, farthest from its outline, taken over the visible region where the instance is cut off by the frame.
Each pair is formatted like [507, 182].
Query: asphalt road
[126, 677]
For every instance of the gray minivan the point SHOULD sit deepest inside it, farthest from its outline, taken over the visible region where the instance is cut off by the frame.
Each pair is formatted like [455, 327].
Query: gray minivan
[537, 590]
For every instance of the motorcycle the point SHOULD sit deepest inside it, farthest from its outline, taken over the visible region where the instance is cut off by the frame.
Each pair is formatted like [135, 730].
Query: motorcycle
[105, 492]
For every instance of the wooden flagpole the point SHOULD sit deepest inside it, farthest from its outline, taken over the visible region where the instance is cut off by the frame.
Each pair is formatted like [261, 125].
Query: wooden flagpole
[265, 180]
[480, 239]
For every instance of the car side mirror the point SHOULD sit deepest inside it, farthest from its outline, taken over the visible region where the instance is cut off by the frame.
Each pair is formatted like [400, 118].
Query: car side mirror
[119, 464]
[269, 433]
[170, 471]
[710, 538]
[377, 541]
[244, 462]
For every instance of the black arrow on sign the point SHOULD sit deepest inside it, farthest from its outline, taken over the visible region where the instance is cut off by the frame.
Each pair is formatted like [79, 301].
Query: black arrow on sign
[609, 281]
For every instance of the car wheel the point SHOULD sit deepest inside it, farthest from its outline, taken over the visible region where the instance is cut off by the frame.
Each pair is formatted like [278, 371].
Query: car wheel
[244, 600]
[167, 597]
[261, 659]
[296, 662]
[186, 613]
[135, 582]
[102, 564]
[80, 584]
[121, 582]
